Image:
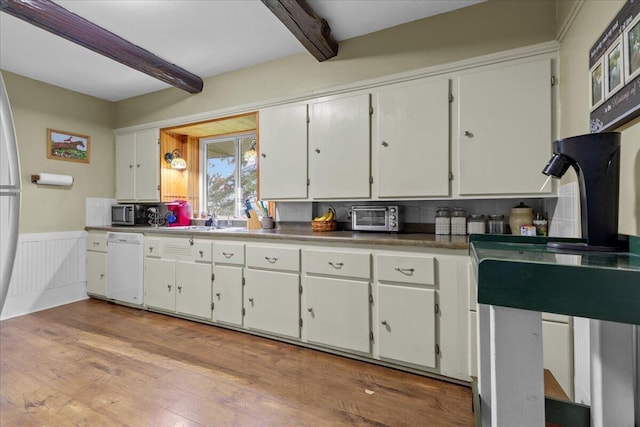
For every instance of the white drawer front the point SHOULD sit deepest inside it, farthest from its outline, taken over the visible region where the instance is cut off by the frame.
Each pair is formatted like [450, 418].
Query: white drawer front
[273, 258]
[152, 248]
[202, 251]
[97, 242]
[406, 269]
[228, 253]
[344, 264]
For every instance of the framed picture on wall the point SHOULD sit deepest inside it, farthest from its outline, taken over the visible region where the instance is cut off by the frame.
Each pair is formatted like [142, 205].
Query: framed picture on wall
[632, 49]
[68, 146]
[614, 68]
[596, 83]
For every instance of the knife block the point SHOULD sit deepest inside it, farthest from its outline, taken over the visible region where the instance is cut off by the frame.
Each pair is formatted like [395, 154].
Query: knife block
[253, 223]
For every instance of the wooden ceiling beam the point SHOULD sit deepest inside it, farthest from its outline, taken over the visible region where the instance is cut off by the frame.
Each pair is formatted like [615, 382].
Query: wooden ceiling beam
[57, 20]
[311, 30]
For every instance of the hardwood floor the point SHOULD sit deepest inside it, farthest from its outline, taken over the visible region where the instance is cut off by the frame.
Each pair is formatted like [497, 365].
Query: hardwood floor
[93, 363]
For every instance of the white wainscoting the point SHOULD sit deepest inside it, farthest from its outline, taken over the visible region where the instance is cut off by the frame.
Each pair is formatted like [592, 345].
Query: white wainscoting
[50, 270]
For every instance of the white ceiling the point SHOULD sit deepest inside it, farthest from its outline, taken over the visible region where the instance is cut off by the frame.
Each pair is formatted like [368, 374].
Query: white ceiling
[205, 37]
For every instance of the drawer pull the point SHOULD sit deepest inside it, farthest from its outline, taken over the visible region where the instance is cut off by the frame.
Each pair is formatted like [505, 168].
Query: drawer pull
[96, 243]
[271, 260]
[336, 265]
[407, 271]
[227, 254]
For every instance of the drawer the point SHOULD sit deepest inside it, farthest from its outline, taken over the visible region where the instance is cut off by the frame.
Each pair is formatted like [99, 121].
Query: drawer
[152, 248]
[97, 242]
[406, 269]
[273, 258]
[228, 253]
[202, 251]
[345, 264]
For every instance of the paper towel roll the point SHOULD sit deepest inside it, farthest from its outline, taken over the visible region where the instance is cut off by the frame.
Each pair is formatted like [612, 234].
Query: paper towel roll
[54, 179]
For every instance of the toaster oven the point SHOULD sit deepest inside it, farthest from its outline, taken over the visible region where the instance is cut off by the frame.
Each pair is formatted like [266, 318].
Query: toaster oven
[376, 218]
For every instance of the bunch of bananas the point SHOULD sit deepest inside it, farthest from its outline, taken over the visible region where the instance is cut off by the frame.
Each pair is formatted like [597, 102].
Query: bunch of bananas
[329, 215]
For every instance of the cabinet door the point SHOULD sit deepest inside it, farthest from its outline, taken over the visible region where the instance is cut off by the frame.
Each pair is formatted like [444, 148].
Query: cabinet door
[283, 152]
[193, 289]
[227, 294]
[336, 313]
[272, 302]
[339, 140]
[406, 329]
[504, 134]
[96, 270]
[159, 283]
[412, 144]
[147, 165]
[125, 166]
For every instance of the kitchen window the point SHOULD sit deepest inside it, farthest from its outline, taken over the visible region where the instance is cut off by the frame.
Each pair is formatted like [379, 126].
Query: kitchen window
[229, 173]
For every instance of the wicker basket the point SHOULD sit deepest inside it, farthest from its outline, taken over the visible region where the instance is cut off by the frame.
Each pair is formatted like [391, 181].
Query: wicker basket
[324, 225]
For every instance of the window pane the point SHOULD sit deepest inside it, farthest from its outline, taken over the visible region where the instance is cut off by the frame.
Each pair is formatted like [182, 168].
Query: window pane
[220, 183]
[248, 175]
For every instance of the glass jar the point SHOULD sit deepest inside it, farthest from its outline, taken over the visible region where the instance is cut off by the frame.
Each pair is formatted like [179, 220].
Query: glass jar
[458, 221]
[496, 224]
[476, 224]
[541, 224]
[443, 221]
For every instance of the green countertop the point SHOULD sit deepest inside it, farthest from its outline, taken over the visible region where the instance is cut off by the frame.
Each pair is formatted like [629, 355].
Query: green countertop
[518, 272]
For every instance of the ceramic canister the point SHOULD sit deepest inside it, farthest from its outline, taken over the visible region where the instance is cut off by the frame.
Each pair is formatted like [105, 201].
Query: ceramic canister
[520, 215]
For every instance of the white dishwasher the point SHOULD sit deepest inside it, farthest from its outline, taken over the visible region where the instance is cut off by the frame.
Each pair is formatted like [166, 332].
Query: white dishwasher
[124, 267]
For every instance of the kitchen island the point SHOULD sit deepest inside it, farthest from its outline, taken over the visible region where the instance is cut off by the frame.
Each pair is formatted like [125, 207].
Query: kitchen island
[520, 277]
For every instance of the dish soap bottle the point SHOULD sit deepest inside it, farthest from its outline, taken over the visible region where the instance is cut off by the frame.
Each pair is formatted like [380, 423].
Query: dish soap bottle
[520, 215]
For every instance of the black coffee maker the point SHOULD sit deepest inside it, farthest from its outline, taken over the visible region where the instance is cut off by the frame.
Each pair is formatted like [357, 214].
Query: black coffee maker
[596, 160]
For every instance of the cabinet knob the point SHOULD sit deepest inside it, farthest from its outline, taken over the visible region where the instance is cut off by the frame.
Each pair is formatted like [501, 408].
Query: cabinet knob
[317, 150]
[101, 276]
[251, 301]
[218, 295]
[468, 134]
[310, 309]
[130, 166]
[169, 288]
[384, 322]
[137, 165]
[180, 289]
[201, 253]
[150, 249]
[384, 143]
[264, 156]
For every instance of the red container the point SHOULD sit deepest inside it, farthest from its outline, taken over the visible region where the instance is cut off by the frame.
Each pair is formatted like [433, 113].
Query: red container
[181, 209]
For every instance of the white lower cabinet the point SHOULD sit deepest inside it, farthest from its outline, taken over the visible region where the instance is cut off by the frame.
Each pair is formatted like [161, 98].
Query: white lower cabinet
[96, 273]
[96, 263]
[193, 289]
[406, 324]
[228, 279]
[337, 313]
[177, 276]
[272, 302]
[272, 289]
[159, 283]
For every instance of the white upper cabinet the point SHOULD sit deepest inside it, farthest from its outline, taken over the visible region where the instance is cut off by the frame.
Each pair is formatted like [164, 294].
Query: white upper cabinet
[505, 128]
[283, 152]
[339, 147]
[138, 166]
[411, 147]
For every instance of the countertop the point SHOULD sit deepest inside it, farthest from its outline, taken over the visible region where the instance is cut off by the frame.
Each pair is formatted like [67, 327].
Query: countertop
[304, 234]
[528, 275]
